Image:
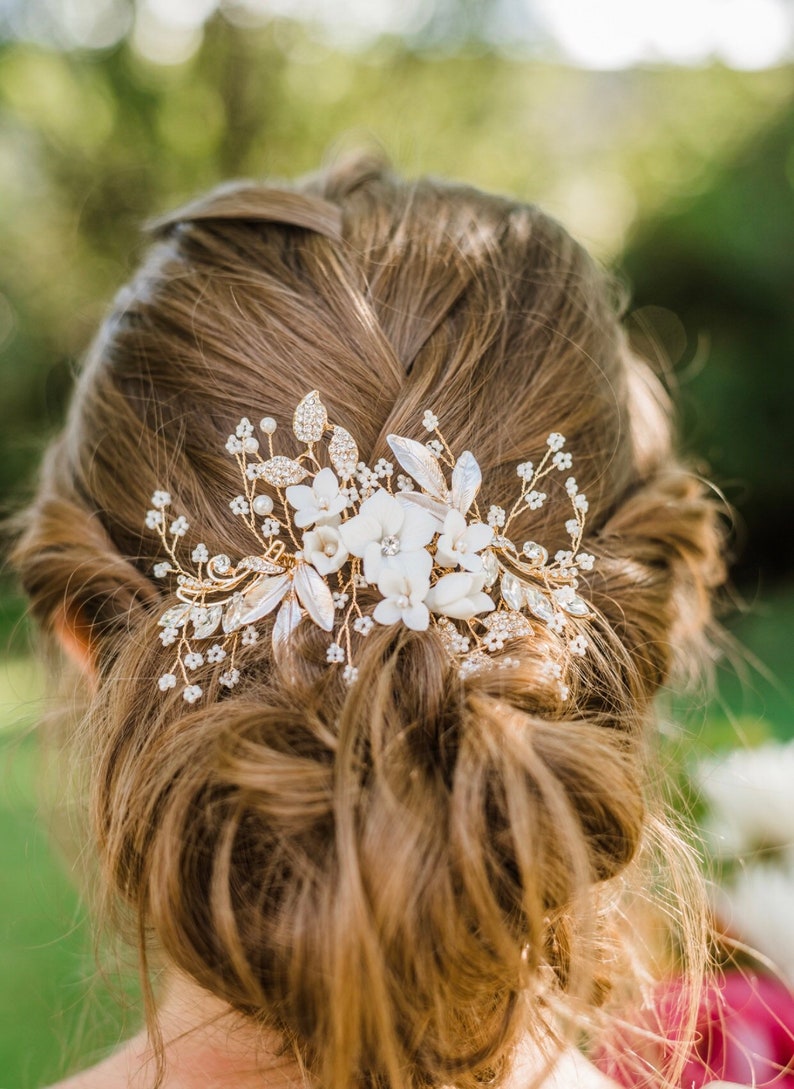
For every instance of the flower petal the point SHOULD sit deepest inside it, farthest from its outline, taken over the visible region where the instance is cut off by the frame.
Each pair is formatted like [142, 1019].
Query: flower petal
[417, 529]
[478, 536]
[415, 566]
[417, 617]
[386, 612]
[449, 588]
[325, 484]
[389, 513]
[358, 532]
[300, 495]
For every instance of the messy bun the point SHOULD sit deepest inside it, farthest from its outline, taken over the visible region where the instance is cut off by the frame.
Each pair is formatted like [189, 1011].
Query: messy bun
[402, 877]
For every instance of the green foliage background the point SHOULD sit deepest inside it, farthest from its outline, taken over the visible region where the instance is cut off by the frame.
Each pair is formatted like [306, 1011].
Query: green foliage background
[683, 178]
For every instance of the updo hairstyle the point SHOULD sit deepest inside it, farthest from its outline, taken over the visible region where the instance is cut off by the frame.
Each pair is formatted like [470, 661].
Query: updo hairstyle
[403, 876]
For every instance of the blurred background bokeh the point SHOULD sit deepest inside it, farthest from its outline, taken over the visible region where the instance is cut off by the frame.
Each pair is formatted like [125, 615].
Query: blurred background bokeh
[661, 134]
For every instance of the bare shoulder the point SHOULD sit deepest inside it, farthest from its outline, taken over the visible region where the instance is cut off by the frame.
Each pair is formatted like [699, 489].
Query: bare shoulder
[121, 1070]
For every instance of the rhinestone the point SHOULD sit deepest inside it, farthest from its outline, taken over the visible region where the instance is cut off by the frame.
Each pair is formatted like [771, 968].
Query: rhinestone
[233, 614]
[538, 603]
[258, 563]
[576, 606]
[263, 505]
[206, 623]
[535, 553]
[310, 418]
[220, 564]
[390, 546]
[490, 566]
[174, 617]
[343, 452]
[281, 471]
[512, 590]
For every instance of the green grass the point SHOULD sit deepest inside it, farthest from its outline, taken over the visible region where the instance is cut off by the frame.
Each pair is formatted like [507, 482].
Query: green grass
[56, 1010]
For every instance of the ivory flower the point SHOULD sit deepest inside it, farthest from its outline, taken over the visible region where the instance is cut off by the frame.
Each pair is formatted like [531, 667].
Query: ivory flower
[460, 596]
[320, 504]
[403, 597]
[388, 535]
[459, 542]
[324, 549]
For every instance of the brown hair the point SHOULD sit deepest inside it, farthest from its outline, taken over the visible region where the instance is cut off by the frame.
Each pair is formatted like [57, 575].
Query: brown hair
[405, 875]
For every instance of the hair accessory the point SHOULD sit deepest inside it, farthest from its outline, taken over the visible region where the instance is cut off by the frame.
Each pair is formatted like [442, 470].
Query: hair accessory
[323, 533]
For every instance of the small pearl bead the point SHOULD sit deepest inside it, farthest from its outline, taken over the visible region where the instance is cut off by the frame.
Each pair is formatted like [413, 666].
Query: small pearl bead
[461, 547]
[263, 505]
[268, 425]
[330, 549]
[250, 445]
[402, 602]
[322, 503]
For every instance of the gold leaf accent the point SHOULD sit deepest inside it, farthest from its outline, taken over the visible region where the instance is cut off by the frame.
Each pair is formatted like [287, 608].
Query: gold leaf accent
[281, 472]
[343, 452]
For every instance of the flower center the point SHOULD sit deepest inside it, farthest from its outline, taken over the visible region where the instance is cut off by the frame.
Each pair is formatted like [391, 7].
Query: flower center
[402, 602]
[330, 549]
[322, 503]
[390, 546]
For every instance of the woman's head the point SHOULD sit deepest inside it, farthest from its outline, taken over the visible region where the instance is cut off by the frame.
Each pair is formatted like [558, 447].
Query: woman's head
[400, 875]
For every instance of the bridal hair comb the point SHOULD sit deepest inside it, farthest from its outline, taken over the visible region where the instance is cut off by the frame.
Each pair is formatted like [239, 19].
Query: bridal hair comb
[324, 533]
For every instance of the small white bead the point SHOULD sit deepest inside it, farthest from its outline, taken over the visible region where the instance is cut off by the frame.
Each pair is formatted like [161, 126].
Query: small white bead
[263, 505]
[250, 445]
[268, 425]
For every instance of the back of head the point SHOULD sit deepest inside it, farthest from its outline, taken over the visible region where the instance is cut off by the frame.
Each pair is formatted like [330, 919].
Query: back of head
[404, 874]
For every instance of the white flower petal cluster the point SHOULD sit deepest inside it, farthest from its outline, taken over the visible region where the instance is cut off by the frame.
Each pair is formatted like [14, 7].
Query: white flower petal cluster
[404, 594]
[460, 542]
[320, 503]
[389, 536]
[460, 596]
[324, 549]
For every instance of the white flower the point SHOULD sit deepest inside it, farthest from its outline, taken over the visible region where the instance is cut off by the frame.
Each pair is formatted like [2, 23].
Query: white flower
[192, 693]
[319, 504]
[168, 680]
[200, 554]
[154, 518]
[335, 653]
[244, 428]
[340, 600]
[230, 678]
[383, 468]
[525, 470]
[571, 486]
[249, 636]
[254, 470]
[460, 643]
[435, 447]
[351, 495]
[363, 625]
[323, 548]
[494, 641]
[161, 569]
[239, 505]
[585, 561]
[562, 460]
[403, 597]
[459, 543]
[429, 420]
[233, 445]
[557, 623]
[216, 653]
[535, 500]
[496, 517]
[389, 535]
[270, 527]
[359, 582]
[572, 527]
[460, 596]
[563, 557]
[555, 441]
[552, 669]
[169, 636]
[161, 499]
[350, 674]
[179, 526]
[404, 483]
[565, 595]
[578, 645]
[194, 660]
[580, 502]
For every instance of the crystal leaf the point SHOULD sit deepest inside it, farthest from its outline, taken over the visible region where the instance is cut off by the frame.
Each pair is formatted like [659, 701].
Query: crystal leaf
[538, 604]
[576, 606]
[315, 596]
[512, 591]
[174, 617]
[310, 419]
[263, 597]
[206, 621]
[233, 614]
[436, 507]
[281, 472]
[259, 563]
[466, 480]
[421, 464]
[490, 566]
[343, 452]
[287, 619]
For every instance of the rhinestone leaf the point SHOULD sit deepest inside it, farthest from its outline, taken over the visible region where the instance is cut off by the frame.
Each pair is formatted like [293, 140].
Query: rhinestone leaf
[466, 481]
[233, 615]
[576, 606]
[206, 620]
[343, 452]
[287, 619]
[174, 617]
[259, 563]
[421, 464]
[538, 604]
[510, 625]
[535, 554]
[512, 591]
[309, 420]
[263, 597]
[314, 596]
[281, 472]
